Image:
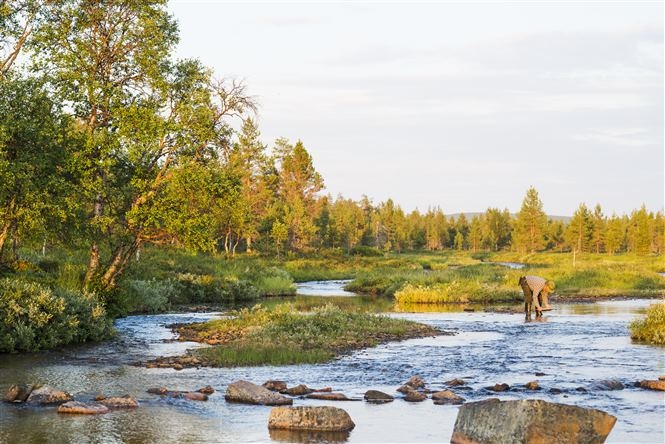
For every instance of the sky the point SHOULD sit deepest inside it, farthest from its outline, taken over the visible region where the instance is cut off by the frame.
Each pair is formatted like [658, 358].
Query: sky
[460, 105]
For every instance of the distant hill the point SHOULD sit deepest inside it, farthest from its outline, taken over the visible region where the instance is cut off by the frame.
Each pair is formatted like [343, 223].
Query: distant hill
[469, 216]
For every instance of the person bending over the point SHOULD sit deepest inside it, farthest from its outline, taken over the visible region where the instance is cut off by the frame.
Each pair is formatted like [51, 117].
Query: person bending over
[543, 287]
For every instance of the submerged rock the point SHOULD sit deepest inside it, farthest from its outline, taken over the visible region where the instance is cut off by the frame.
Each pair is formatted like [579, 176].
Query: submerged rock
[18, 392]
[327, 419]
[195, 396]
[46, 395]
[529, 420]
[120, 402]
[455, 382]
[447, 397]
[82, 408]
[652, 385]
[275, 386]
[377, 397]
[329, 396]
[610, 384]
[207, 390]
[298, 390]
[248, 393]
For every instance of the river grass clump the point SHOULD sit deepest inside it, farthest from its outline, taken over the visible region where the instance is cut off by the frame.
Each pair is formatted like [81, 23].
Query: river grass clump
[281, 336]
[651, 329]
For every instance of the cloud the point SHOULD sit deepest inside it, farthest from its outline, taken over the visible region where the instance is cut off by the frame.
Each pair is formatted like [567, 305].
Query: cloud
[623, 137]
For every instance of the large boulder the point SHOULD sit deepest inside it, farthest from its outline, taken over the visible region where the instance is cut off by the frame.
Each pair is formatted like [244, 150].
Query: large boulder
[46, 395]
[248, 393]
[18, 393]
[82, 408]
[529, 420]
[325, 419]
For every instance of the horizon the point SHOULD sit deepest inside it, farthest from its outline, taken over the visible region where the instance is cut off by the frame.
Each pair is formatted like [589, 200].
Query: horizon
[457, 106]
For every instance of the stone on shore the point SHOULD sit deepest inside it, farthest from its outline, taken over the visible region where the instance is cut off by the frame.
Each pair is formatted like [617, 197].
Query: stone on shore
[652, 385]
[447, 397]
[46, 395]
[377, 397]
[328, 419]
[18, 392]
[248, 393]
[82, 408]
[529, 420]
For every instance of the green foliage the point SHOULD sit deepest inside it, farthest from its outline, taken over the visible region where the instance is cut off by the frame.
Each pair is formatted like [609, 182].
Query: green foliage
[34, 317]
[364, 250]
[284, 336]
[651, 329]
[530, 225]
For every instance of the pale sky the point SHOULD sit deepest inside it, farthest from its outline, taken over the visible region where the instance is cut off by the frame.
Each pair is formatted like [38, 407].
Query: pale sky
[454, 104]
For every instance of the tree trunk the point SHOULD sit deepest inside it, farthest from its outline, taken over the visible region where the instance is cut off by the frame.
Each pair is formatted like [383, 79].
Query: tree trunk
[118, 263]
[248, 239]
[93, 263]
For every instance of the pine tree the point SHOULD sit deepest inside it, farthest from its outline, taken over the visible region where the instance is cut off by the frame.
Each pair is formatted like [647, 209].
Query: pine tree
[530, 224]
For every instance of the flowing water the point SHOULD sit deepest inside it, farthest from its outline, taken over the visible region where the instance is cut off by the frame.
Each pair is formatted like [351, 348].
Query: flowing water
[576, 345]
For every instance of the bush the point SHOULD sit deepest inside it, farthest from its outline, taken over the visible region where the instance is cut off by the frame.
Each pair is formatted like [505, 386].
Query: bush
[34, 317]
[652, 328]
[365, 251]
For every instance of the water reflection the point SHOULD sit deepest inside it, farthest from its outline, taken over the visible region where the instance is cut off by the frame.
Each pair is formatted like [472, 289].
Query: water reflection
[303, 436]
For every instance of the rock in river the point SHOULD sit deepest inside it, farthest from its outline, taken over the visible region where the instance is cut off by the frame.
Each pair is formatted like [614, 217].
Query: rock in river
[18, 393]
[447, 397]
[529, 420]
[415, 396]
[652, 385]
[275, 386]
[120, 402]
[298, 390]
[46, 395]
[248, 393]
[82, 408]
[329, 419]
[377, 397]
[329, 396]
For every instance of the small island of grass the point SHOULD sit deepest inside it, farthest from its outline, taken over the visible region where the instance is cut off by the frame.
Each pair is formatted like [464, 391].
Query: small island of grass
[282, 335]
[651, 329]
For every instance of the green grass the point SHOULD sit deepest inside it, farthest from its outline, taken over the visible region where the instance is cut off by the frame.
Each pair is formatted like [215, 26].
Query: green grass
[283, 335]
[651, 329]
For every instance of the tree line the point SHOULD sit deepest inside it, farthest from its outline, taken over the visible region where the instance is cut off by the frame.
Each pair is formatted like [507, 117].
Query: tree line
[108, 143]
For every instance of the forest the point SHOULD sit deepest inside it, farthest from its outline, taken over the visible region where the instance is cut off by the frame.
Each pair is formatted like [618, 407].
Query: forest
[109, 146]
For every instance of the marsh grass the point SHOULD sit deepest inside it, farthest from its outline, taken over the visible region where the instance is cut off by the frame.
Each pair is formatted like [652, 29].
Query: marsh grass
[651, 329]
[283, 335]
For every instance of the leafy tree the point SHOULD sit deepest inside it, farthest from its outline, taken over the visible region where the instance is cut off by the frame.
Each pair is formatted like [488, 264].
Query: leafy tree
[530, 224]
[639, 231]
[348, 223]
[579, 230]
[17, 21]
[496, 229]
[615, 234]
[598, 222]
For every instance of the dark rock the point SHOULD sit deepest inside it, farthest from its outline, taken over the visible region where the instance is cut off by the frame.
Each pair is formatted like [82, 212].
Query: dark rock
[610, 384]
[195, 396]
[82, 408]
[540, 374]
[158, 390]
[298, 390]
[207, 390]
[555, 391]
[326, 419]
[415, 396]
[46, 395]
[248, 393]
[447, 397]
[499, 388]
[18, 393]
[275, 386]
[377, 397]
[455, 382]
[405, 389]
[581, 390]
[328, 396]
[530, 421]
[652, 385]
[532, 385]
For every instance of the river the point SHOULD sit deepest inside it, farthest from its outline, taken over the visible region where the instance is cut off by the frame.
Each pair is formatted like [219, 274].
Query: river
[576, 345]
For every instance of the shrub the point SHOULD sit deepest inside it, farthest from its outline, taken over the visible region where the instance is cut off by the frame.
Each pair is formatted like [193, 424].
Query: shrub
[365, 251]
[34, 317]
[651, 329]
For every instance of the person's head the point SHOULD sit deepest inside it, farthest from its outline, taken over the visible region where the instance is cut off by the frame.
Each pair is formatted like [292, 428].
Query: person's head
[549, 287]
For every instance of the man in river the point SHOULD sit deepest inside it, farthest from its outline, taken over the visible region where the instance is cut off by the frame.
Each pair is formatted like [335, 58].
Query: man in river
[539, 289]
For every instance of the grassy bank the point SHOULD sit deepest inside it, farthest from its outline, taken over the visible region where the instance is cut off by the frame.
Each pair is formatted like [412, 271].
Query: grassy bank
[282, 335]
[651, 329]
